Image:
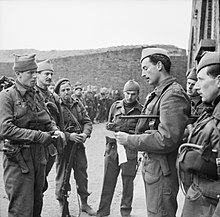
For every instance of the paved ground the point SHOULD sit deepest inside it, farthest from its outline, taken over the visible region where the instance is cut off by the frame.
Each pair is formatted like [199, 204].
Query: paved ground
[95, 149]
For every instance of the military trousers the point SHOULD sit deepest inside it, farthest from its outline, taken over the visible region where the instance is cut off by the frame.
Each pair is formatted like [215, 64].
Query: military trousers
[111, 172]
[79, 167]
[160, 190]
[25, 188]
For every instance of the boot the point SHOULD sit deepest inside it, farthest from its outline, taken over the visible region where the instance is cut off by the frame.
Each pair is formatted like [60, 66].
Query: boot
[86, 208]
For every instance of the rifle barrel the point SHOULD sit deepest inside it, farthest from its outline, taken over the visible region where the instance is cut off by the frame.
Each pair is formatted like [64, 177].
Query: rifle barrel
[150, 116]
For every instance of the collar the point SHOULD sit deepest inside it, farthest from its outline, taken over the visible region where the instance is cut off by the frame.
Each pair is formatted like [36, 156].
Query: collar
[121, 105]
[160, 88]
[22, 89]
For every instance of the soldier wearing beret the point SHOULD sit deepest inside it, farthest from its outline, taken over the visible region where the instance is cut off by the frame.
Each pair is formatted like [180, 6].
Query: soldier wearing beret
[45, 73]
[160, 138]
[78, 127]
[202, 198]
[27, 129]
[127, 106]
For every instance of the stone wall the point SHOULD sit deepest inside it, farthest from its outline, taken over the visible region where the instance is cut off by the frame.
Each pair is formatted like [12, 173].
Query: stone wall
[110, 69]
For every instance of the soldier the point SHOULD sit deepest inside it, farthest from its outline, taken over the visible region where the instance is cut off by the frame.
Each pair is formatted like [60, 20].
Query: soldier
[128, 106]
[78, 128]
[206, 133]
[45, 73]
[197, 106]
[26, 128]
[160, 138]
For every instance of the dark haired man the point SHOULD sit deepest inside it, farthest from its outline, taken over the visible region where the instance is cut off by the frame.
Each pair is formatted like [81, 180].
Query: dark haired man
[206, 133]
[160, 138]
[78, 127]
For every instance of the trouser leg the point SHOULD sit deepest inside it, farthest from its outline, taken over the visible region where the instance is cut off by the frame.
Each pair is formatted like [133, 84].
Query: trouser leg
[111, 171]
[128, 175]
[60, 171]
[80, 173]
[161, 195]
[50, 162]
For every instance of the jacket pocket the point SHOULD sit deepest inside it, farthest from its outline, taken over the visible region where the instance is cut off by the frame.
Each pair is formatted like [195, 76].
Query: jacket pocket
[152, 174]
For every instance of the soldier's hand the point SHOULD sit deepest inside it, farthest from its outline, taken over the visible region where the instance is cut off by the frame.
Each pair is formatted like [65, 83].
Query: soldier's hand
[121, 138]
[83, 137]
[75, 137]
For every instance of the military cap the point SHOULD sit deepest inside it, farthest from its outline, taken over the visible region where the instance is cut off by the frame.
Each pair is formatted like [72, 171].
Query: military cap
[209, 58]
[58, 84]
[45, 65]
[151, 51]
[131, 85]
[192, 74]
[24, 63]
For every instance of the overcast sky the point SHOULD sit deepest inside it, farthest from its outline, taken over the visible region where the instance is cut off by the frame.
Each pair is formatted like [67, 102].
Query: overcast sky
[92, 24]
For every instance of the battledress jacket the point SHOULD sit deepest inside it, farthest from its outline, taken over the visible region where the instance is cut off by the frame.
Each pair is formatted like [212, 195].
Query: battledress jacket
[115, 123]
[76, 108]
[18, 115]
[160, 138]
[204, 133]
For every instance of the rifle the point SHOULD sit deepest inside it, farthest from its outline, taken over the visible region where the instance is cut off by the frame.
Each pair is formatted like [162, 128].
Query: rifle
[65, 210]
[192, 118]
[65, 184]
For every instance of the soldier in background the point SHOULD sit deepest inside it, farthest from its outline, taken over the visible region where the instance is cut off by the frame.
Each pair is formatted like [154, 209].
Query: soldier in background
[45, 73]
[27, 129]
[78, 127]
[196, 102]
[127, 106]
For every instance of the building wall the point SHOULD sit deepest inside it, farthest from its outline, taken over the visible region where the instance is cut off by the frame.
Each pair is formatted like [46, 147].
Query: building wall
[109, 69]
[205, 26]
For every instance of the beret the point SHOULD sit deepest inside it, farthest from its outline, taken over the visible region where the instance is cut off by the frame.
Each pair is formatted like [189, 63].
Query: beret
[59, 82]
[209, 58]
[152, 50]
[131, 85]
[45, 66]
[192, 74]
[24, 63]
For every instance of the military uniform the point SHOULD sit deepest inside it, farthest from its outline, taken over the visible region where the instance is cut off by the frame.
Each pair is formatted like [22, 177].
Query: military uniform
[53, 104]
[203, 133]
[80, 160]
[24, 121]
[160, 139]
[112, 167]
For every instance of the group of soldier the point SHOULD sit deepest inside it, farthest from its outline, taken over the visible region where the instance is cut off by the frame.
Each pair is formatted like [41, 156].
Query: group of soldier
[40, 128]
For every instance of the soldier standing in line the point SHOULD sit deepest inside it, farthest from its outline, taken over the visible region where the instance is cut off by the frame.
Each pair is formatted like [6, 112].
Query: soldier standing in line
[159, 139]
[197, 106]
[45, 73]
[127, 106]
[202, 198]
[78, 128]
[26, 128]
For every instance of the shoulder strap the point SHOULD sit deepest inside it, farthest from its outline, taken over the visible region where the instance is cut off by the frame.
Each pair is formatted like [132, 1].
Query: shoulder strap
[74, 118]
[218, 148]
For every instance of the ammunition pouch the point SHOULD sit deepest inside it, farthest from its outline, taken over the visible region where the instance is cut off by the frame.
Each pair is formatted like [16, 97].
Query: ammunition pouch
[210, 190]
[13, 152]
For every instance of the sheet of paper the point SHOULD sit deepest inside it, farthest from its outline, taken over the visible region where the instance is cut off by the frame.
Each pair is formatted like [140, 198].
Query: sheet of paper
[122, 157]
